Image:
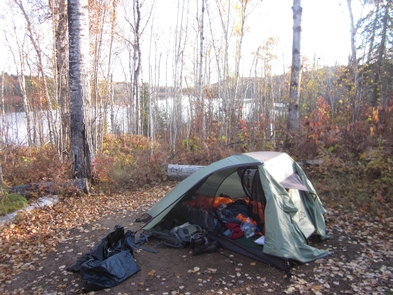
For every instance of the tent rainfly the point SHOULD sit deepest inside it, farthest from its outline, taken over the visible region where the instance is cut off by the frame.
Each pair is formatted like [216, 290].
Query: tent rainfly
[280, 200]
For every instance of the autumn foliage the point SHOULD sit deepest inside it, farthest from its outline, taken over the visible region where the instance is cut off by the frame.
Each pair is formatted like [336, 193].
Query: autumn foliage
[356, 170]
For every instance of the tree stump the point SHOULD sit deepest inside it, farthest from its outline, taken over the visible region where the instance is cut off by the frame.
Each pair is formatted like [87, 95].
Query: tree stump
[49, 187]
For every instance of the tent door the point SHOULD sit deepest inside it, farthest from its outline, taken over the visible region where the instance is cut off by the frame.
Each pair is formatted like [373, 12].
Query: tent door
[301, 217]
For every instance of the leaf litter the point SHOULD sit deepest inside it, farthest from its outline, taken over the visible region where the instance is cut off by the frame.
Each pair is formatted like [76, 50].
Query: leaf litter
[36, 249]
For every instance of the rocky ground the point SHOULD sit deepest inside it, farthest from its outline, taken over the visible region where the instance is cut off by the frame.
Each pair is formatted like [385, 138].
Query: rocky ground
[37, 248]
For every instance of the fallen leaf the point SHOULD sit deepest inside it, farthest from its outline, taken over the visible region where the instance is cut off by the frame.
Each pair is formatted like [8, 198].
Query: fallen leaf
[151, 273]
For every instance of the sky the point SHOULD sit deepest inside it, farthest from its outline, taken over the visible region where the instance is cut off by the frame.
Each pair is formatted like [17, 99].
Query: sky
[325, 33]
[325, 28]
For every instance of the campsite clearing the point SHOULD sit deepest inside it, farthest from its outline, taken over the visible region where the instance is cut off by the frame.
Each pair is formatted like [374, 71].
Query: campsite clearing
[35, 252]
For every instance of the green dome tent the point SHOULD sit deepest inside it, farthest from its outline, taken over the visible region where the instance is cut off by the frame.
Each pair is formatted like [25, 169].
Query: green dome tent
[278, 193]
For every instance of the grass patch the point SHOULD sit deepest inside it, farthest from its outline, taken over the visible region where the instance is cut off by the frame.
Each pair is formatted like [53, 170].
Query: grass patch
[11, 202]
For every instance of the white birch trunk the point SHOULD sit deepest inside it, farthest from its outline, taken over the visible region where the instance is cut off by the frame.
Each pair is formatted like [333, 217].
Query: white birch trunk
[60, 28]
[82, 152]
[293, 106]
[137, 60]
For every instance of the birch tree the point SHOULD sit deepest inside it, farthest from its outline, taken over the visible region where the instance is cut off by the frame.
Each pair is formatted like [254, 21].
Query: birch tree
[225, 107]
[137, 20]
[240, 29]
[180, 41]
[82, 151]
[200, 102]
[98, 12]
[109, 77]
[266, 87]
[154, 62]
[35, 41]
[19, 59]
[59, 14]
[137, 61]
[294, 88]
[354, 64]
[102, 31]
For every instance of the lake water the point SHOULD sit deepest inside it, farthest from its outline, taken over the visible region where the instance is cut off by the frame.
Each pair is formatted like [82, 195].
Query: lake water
[13, 126]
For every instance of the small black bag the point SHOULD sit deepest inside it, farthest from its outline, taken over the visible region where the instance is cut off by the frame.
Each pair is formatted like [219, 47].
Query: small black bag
[199, 239]
[110, 262]
[201, 244]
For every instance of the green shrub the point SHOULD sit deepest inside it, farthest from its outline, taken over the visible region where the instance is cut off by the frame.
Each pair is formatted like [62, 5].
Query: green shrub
[11, 202]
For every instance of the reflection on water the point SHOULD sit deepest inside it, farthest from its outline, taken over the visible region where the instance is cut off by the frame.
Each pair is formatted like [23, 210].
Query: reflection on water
[14, 130]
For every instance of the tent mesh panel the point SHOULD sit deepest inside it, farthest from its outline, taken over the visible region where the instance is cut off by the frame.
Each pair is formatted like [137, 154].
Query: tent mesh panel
[253, 188]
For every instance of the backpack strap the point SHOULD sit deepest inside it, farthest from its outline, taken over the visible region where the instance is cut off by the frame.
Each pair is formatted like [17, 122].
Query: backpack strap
[142, 239]
[168, 239]
[176, 244]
